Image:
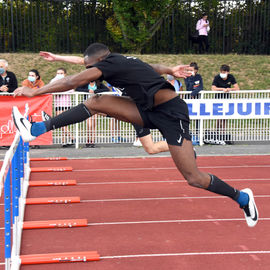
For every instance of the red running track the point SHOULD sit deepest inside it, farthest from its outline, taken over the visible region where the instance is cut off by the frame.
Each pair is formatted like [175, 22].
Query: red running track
[142, 215]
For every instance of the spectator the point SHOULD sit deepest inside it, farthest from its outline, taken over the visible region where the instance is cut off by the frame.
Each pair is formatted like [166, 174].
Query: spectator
[115, 125]
[92, 88]
[63, 102]
[194, 83]
[176, 83]
[8, 80]
[224, 82]
[203, 28]
[33, 81]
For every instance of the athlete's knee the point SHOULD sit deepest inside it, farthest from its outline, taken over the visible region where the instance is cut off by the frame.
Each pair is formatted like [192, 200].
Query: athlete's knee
[198, 179]
[150, 149]
[92, 103]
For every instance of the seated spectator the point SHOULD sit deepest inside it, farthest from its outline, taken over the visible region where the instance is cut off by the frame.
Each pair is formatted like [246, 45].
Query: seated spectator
[224, 82]
[8, 80]
[194, 83]
[62, 102]
[176, 83]
[33, 81]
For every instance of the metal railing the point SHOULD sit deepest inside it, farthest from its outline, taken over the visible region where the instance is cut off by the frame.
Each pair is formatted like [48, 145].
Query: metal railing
[100, 129]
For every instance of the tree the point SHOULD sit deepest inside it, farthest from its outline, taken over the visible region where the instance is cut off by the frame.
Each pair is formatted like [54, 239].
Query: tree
[133, 23]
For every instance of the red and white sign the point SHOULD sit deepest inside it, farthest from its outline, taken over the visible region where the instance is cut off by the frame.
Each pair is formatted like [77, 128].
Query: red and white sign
[36, 105]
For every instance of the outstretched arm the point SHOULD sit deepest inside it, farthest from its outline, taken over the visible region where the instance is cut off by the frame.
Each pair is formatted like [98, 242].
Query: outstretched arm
[68, 58]
[67, 83]
[180, 71]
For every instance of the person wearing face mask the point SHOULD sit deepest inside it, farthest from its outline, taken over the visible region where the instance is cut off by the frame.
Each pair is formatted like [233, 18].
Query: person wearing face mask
[93, 87]
[8, 80]
[176, 83]
[224, 82]
[194, 83]
[62, 102]
[33, 80]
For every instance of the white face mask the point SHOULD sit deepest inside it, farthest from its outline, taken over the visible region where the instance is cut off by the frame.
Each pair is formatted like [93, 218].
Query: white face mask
[192, 73]
[223, 75]
[170, 77]
[59, 76]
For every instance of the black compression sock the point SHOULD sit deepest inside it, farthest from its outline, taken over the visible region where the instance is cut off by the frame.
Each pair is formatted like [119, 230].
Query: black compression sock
[75, 115]
[222, 188]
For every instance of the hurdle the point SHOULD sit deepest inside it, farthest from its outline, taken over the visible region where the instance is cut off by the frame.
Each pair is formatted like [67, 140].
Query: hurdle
[14, 173]
[14, 181]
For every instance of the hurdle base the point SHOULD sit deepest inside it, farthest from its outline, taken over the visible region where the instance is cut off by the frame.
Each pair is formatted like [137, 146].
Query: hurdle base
[60, 223]
[42, 183]
[81, 256]
[48, 158]
[52, 200]
[51, 169]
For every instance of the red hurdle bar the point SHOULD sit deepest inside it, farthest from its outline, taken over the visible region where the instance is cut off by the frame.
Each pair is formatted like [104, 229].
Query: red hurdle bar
[52, 183]
[60, 223]
[48, 158]
[51, 169]
[52, 200]
[81, 256]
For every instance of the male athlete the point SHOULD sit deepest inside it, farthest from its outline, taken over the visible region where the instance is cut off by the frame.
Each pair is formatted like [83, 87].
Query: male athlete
[153, 103]
[143, 134]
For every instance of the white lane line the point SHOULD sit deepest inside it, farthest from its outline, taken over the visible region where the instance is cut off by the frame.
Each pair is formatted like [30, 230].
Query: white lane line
[160, 198]
[166, 221]
[163, 198]
[183, 254]
[171, 221]
[188, 254]
[170, 168]
[163, 181]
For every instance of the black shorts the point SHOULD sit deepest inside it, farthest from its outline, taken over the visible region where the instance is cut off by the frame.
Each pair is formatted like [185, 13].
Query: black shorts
[141, 131]
[170, 118]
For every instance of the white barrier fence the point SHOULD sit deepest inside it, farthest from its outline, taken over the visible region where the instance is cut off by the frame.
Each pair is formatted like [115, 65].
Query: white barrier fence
[102, 130]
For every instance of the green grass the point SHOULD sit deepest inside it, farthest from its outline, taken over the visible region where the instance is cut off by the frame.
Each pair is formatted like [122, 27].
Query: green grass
[252, 72]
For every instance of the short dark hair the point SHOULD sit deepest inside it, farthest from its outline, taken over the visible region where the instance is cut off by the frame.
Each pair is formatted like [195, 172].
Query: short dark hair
[36, 72]
[195, 65]
[63, 69]
[96, 49]
[204, 14]
[225, 68]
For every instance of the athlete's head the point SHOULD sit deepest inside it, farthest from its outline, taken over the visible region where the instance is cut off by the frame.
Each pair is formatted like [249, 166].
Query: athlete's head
[95, 53]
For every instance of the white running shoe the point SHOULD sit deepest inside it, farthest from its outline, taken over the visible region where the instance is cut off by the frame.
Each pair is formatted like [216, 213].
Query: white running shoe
[23, 125]
[250, 210]
[45, 116]
[137, 143]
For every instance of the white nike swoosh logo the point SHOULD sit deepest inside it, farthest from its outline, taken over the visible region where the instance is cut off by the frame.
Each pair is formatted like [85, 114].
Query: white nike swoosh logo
[179, 140]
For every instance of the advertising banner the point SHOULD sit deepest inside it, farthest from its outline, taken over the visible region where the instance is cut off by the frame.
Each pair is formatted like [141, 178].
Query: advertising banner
[228, 108]
[36, 105]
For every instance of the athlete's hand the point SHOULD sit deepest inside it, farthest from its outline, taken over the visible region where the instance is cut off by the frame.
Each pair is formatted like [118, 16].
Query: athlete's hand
[48, 56]
[24, 91]
[182, 71]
